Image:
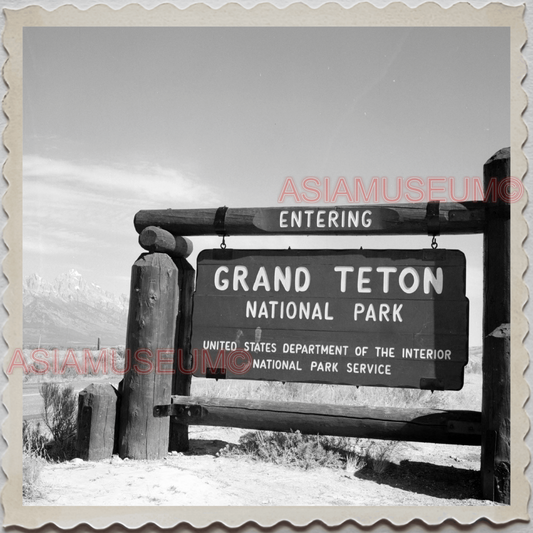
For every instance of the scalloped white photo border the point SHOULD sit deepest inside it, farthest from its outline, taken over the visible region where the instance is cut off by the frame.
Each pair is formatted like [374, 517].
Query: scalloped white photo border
[396, 14]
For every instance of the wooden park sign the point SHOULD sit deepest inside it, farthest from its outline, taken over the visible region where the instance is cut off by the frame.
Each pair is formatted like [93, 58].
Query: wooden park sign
[392, 318]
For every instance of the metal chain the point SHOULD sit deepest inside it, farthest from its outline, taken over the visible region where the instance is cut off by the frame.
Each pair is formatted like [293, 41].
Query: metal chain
[434, 243]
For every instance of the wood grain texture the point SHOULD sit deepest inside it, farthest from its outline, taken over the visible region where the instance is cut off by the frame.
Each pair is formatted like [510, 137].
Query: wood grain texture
[496, 398]
[155, 239]
[96, 422]
[405, 219]
[151, 330]
[179, 433]
[421, 425]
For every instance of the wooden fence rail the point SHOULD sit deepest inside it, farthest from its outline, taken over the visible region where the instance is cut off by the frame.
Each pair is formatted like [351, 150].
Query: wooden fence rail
[388, 423]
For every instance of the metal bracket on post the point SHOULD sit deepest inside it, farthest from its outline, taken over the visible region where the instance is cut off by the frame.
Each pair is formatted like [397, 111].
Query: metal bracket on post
[184, 412]
[433, 222]
[220, 225]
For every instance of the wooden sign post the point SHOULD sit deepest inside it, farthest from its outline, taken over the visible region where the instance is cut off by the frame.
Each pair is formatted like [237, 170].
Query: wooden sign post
[97, 410]
[181, 382]
[496, 408]
[150, 352]
[489, 217]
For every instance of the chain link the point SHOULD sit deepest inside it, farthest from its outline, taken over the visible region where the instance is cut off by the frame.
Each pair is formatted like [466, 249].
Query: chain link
[434, 243]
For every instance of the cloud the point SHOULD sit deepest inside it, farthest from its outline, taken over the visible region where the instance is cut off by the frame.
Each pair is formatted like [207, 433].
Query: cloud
[142, 185]
[81, 216]
[77, 203]
[39, 246]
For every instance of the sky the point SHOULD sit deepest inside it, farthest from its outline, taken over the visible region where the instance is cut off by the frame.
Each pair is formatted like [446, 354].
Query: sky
[122, 119]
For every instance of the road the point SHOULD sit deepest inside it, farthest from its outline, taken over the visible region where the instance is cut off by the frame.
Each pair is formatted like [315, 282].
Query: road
[32, 402]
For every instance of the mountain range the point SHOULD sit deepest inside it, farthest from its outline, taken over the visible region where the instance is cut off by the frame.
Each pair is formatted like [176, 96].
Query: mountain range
[72, 312]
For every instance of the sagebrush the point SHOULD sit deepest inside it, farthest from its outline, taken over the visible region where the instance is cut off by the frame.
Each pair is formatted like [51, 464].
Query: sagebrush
[60, 408]
[295, 449]
[33, 458]
[378, 455]
[312, 451]
[53, 442]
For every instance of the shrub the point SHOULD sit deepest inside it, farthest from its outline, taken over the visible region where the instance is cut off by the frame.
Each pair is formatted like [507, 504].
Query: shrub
[119, 358]
[69, 374]
[294, 449]
[378, 455]
[120, 351]
[32, 465]
[58, 443]
[59, 415]
[33, 458]
[33, 440]
[354, 463]
[312, 451]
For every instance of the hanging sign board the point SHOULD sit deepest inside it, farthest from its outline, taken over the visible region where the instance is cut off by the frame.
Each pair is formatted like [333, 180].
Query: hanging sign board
[392, 318]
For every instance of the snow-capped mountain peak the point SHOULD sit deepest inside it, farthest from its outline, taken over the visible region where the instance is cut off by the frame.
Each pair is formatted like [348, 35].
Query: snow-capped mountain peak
[72, 286]
[71, 311]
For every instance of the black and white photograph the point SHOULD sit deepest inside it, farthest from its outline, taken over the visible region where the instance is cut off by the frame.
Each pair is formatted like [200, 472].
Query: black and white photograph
[266, 265]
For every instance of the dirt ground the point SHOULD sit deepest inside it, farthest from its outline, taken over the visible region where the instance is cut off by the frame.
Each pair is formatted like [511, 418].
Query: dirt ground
[421, 474]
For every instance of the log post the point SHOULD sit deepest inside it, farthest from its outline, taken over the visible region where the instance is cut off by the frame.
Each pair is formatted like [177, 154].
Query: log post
[149, 356]
[181, 386]
[155, 239]
[496, 406]
[96, 422]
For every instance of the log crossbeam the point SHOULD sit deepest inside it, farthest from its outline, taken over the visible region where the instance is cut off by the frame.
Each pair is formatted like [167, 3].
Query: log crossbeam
[418, 425]
[397, 219]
